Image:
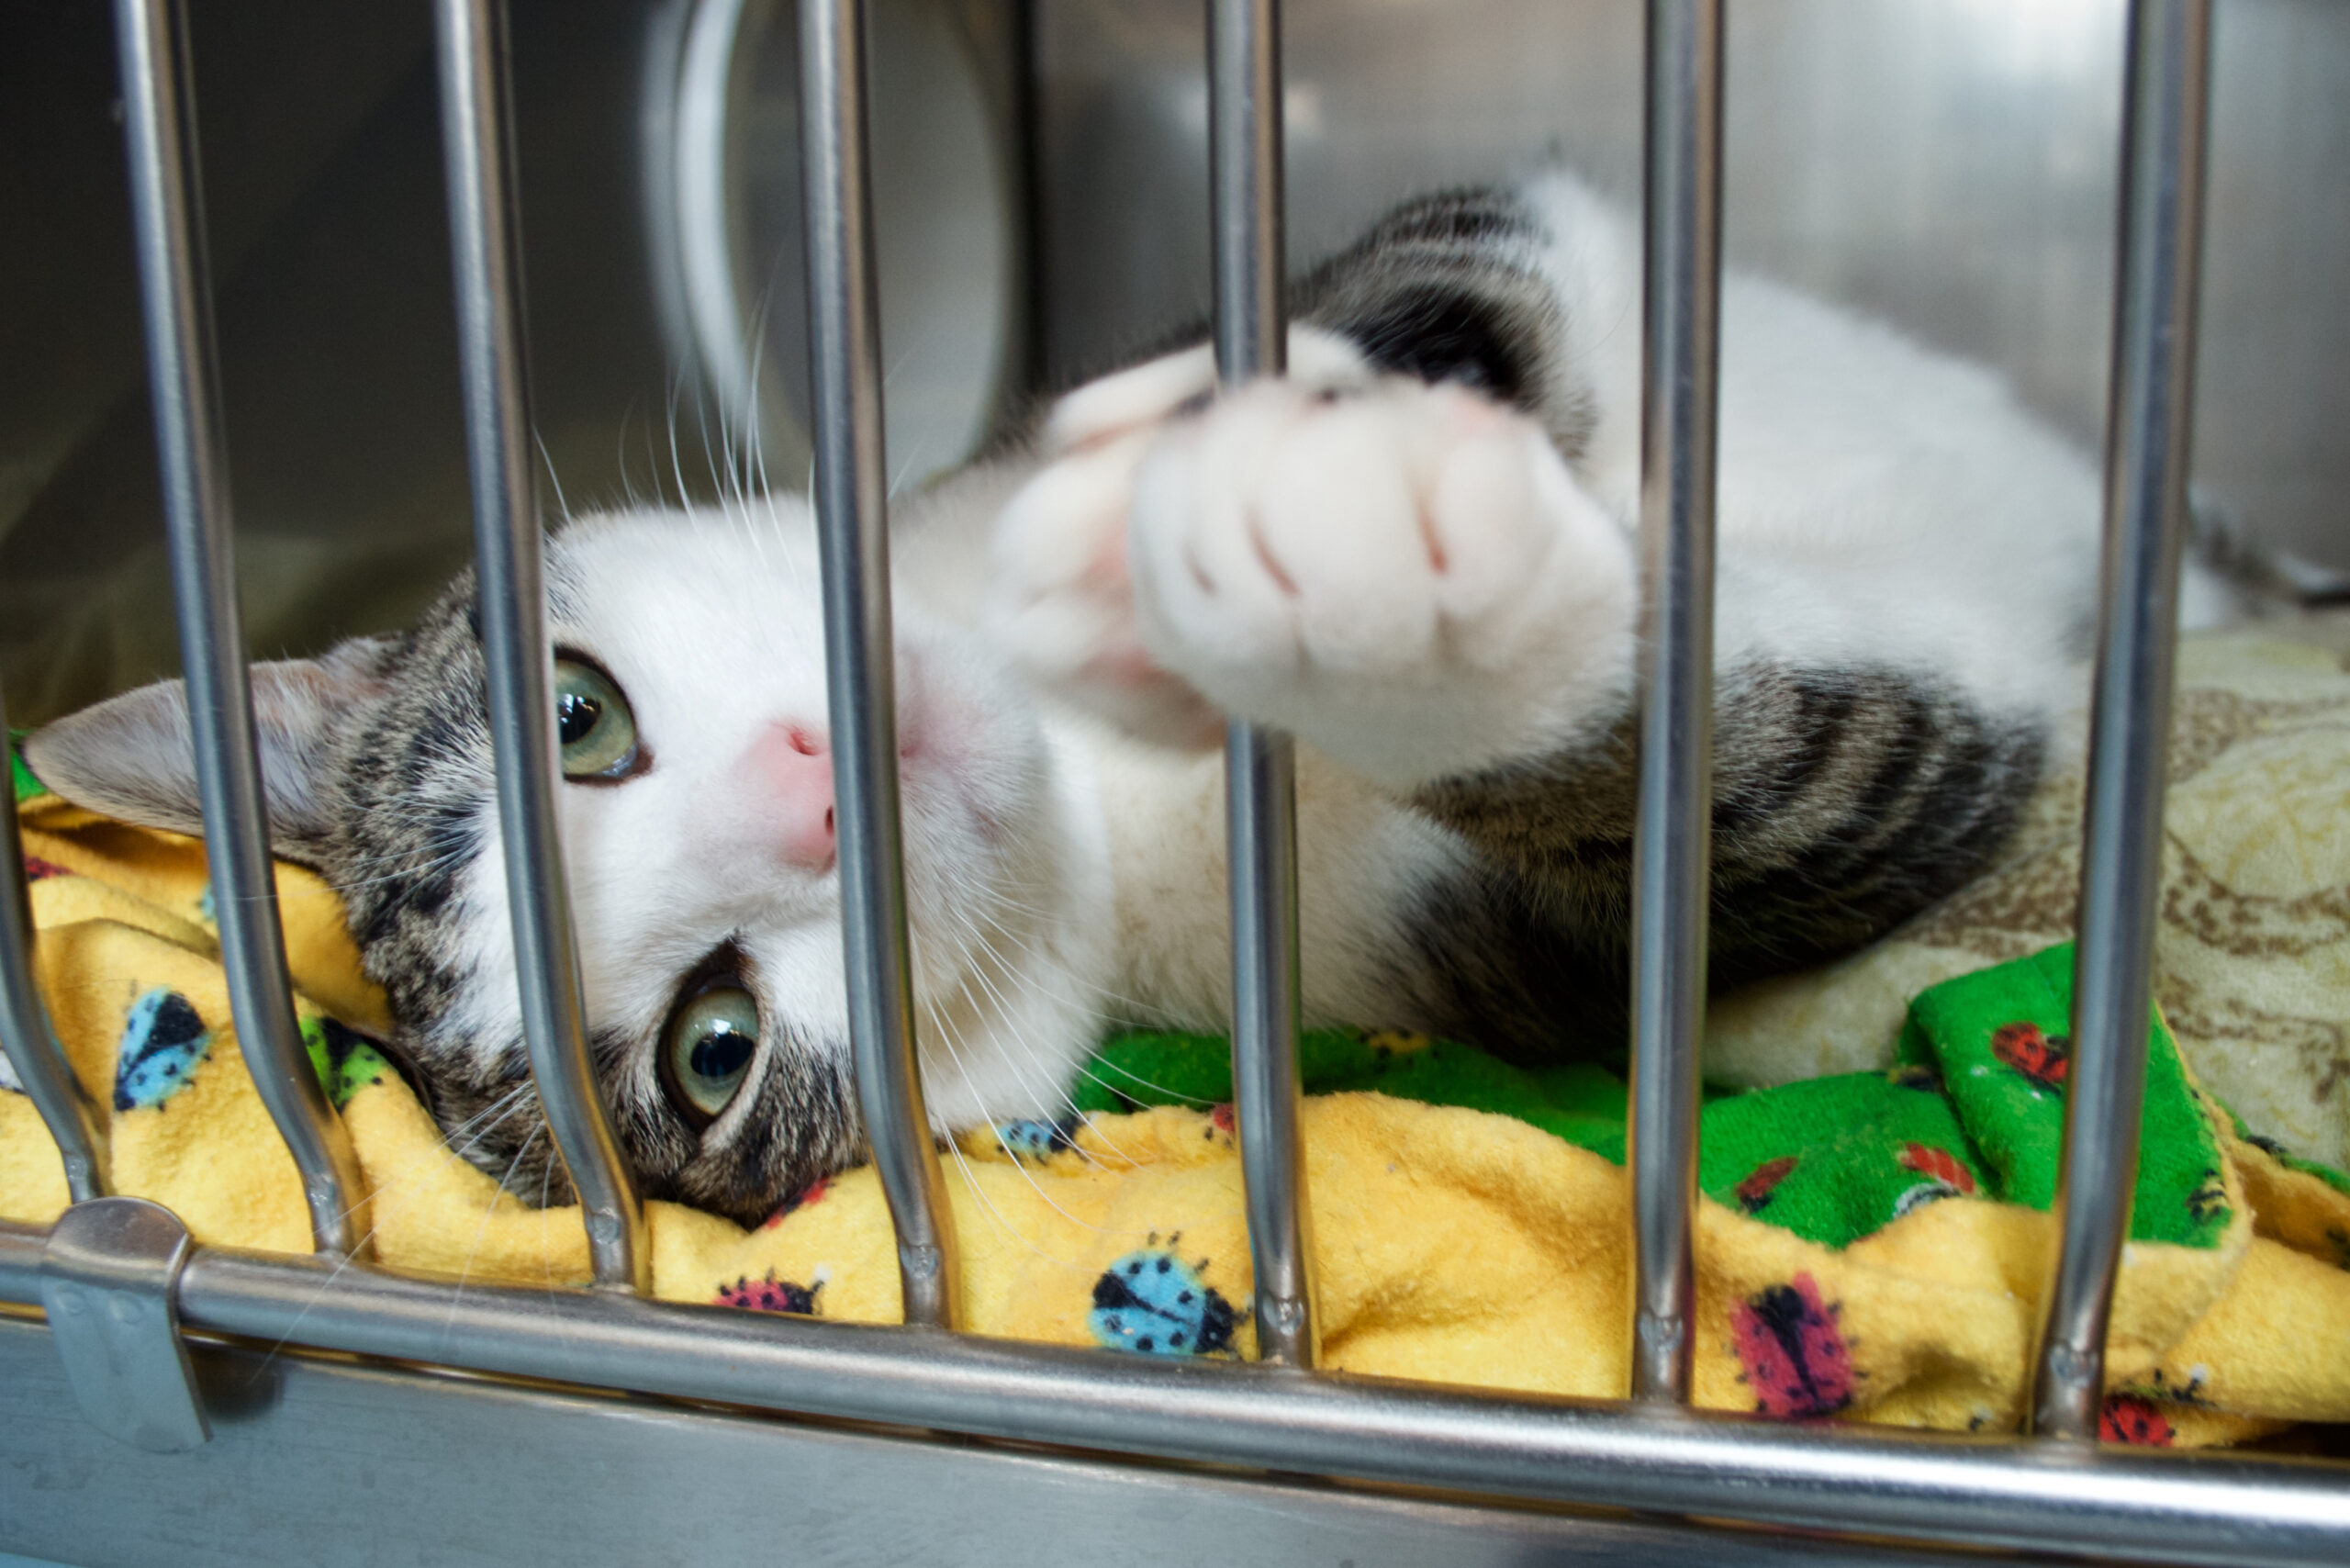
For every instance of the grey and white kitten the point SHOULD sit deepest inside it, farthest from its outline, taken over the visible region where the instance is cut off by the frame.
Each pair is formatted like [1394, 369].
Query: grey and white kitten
[1414, 553]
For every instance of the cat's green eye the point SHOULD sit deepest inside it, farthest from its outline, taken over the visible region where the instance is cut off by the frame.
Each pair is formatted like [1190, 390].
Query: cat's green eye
[706, 1050]
[593, 723]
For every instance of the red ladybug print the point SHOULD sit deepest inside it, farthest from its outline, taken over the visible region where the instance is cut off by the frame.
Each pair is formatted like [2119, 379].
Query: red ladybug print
[1220, 1120]
[792, 1205]
[2043, 1059]
[36, 868]
[1795, 1359]
[1753, 1194]
[1938, 1165]
[2130, 1419]
[770, 1294]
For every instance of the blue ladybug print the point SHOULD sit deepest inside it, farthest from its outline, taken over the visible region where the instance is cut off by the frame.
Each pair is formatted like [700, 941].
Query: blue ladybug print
[1034, 1139]
[1153, 1301]
[163, 1040]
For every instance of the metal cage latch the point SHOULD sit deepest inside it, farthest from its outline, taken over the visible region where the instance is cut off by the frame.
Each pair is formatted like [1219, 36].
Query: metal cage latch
[108, 1276]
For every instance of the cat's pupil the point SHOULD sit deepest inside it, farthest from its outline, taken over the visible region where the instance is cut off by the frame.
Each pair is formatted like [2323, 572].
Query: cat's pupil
[706, 1049]
[721, 1053]
[575, 716]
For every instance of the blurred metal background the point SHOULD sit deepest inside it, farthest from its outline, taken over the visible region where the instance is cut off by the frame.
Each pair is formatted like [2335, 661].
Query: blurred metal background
[1948, 164]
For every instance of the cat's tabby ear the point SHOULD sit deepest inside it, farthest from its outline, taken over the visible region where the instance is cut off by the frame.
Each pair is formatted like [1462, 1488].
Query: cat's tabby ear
[132, 756]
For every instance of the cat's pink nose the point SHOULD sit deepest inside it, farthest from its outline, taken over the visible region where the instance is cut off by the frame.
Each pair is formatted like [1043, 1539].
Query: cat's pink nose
[796, 766]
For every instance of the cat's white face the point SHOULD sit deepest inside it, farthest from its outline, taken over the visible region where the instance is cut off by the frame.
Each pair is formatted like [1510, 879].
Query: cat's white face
[703, 872]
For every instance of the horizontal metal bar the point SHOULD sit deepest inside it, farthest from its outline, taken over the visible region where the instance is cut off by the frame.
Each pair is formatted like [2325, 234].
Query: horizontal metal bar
[1260, 768]
[1999, 1492]
[20, 1251]
[279, 1474]
[486, 250]
[183, 368]
[26, 1037]
[853, 536]
[2149, 440]
[1681, 357]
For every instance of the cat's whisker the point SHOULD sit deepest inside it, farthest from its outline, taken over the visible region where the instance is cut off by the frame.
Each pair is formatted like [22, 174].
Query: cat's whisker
[402, 873]
[547, 1259]
[619, 458]
[979, 1193]
[562, 506]
[1002, 1221]
[754, 443]
[1115, 1000]
[676, 461]
[653, 453]
[489, 1213]
[1014, 1058]
[1028, 1083]
[948, 1035]
[906, 464]
[469, 1133]
[1064, 1093]
[1017, 1050]
[710, 452]
[373, 1200]
[447, 1152]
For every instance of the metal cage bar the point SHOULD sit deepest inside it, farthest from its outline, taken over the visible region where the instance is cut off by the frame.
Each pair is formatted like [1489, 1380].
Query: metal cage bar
[852, 521]
[2149, 435]
[2127, 1504]
[485, 252]
[167, 209]
[1260, 764]
[26, 1037]
[1681, 356]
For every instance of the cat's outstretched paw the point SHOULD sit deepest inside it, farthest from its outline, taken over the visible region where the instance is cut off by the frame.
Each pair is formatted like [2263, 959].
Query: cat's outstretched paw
[1062, 596]
[1061, 599]
[1407, 575]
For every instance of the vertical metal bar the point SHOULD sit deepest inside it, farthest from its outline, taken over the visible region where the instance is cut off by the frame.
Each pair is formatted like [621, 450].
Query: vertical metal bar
[1672, 845]
[2149, 436]
[851, 516]
[476, 128]
[1260, 788]
[166, 190]
[26, 1038]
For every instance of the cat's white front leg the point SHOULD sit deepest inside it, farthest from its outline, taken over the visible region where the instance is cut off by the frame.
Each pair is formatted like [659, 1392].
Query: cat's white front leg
[1408, 577]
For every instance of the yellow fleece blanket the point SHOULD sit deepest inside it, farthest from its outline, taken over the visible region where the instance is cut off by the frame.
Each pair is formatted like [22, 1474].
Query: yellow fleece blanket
[1454, 1244]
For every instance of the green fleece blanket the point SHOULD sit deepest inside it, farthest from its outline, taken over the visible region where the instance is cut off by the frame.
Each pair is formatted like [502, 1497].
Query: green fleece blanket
[1975, 1105]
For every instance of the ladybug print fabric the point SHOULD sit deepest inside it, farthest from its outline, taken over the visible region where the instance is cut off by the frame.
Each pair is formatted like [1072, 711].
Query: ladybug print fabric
[163, 1040]
[2000, 1039]
[1754, 1193]
[1790, 1351]
[770, 1294]
[1153, 1301]
[2127, 1418]
[2043, 1059]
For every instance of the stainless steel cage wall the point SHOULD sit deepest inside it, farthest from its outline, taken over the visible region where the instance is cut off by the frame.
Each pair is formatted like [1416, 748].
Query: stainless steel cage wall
[2056, 1491]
